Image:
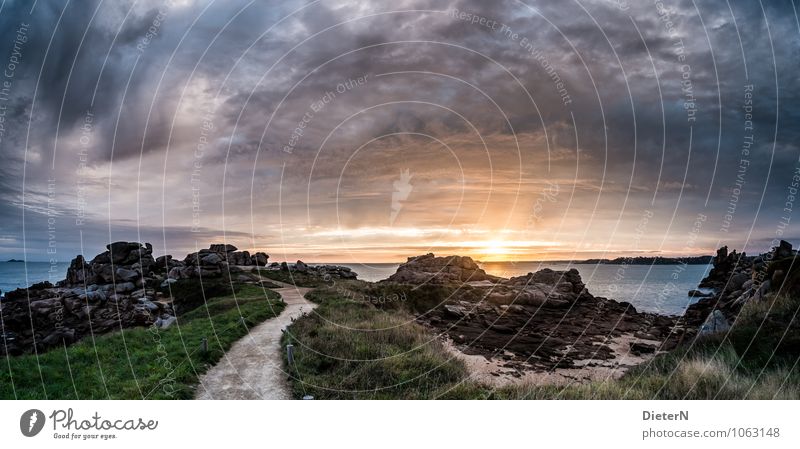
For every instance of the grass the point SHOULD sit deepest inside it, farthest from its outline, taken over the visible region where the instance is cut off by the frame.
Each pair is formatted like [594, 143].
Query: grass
[141, 363]
[757, 359]
[350, 349]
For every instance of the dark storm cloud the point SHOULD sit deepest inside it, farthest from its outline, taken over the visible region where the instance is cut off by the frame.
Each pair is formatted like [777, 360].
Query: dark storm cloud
[470, 82]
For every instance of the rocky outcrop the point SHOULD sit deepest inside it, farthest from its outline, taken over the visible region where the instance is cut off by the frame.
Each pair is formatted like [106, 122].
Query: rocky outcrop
[725, 265]
[429, 269]
[321, 271]
[540, 321]
[113, 291]
[122, 262]
[216, 261]
[737, 279]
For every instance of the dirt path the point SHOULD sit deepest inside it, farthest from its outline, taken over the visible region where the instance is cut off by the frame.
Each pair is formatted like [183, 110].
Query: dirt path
[253, 367]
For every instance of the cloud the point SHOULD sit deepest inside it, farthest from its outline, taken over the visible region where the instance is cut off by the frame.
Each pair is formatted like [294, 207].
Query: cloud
[193, 105]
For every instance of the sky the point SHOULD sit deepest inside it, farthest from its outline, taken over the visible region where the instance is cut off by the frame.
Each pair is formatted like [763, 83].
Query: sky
[355, 131]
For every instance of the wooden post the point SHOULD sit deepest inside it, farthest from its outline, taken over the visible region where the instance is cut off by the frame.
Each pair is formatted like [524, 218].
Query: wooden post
[204, 345]
[290, 354]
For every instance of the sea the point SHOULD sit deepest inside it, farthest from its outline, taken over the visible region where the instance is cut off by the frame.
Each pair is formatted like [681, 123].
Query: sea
[14, 275]
[661, 289]
[650, 288]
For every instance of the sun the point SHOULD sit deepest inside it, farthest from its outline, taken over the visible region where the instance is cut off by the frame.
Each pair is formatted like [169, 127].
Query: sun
[496, 249]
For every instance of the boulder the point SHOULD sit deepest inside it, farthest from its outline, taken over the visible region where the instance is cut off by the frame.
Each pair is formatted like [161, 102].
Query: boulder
[211, 259]
[455, 311]
[737, 281]
[222, 248]
[260, 259]
[95, 296]
[240, 258]
[124, 287]
[639, 348]
[783, 250]
[126, 275]
[166, 323]
[79, 272]
[439, 270]
[715, 323]
[699, 294]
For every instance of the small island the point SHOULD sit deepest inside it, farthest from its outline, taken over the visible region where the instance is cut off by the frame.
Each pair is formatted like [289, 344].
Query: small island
[15, 261]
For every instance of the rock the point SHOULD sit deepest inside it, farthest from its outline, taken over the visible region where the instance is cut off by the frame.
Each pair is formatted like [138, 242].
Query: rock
[151, 306]
[737, 281]
[784, 249]
[166, 323]
[167, 282]
[638, 348]
[439, 270]
[124, 287]
[300, 266]
[164, 264]
[726, 265]
[260, 259]
[777, 277]
[120, 251]
[455, 311]
[58, 337]
[699, 294]
[79, 272]
[761, 292]
[284, 266]
[95, 296]
[41, 286]
[126, 275]
[333, 271]
[211, 259]
[715, 323]
[240, 258]
[222, 248]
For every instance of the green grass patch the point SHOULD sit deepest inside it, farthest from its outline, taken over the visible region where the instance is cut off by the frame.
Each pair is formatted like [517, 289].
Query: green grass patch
[141, 363]
[350, 349]
[188, 294]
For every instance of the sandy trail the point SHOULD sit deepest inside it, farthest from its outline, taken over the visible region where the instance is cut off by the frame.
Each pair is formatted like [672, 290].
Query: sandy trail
[495, 372]
[253, 367]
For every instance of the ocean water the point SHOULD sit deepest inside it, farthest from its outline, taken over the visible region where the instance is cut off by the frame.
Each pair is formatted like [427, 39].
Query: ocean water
[658, 288]
[13, 275]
